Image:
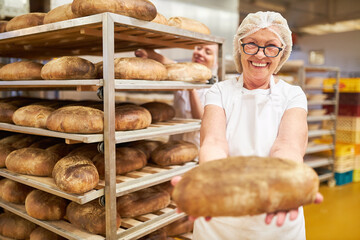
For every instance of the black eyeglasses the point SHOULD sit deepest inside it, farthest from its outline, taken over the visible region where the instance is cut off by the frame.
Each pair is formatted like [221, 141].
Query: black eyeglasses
[253, 49]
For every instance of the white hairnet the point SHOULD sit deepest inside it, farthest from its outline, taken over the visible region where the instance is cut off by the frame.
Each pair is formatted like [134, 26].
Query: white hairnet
[252, 23]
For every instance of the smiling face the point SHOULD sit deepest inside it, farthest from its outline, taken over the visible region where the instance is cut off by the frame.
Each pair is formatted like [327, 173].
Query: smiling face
[258, 68]
[205, 55]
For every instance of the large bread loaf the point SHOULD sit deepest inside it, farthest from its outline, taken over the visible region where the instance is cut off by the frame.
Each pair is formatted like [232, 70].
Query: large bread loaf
[188, 72]
[13, 192]
[5, 150]
[23, 70]
[25, 21]
[181, 226]
[189, 24]
[141, 202]
[239, 186]
[89, 216]
[160, 111]
[60, 13]
[75, 174]
[40, 233]
[32, 116]
[174, 152]
[45, 206]
[147, 146]
[140, 9]
[6, 112]
[68, 68]
[31, 161]
[131, 117]
[61, 149]
[127, 160]
[15, 227]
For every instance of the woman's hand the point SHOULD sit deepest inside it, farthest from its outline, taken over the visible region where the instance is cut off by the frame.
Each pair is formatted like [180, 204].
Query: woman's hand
[281, 216]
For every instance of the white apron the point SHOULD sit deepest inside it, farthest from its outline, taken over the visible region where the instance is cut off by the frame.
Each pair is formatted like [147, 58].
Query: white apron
[253, 119]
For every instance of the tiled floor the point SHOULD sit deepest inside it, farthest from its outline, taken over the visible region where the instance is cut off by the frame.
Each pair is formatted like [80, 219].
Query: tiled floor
[338, 217]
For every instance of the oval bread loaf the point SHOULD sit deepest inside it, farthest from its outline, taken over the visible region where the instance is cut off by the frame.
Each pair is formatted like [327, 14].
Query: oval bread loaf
[26, 141]
[88, 151]
[160, 19]
[89, 216]
[25, 21]
[131, 117]
[13, 192]
[189, 24]
[45, 206]
[40, 233]
[22, 70]
[239, 186]
[174, 152]
[160, 111]
[60, 13]
[188, 72]
[15, 227]
[6, 112]
[32, 116]
[147, 146]
[5, 150]
[140, 9]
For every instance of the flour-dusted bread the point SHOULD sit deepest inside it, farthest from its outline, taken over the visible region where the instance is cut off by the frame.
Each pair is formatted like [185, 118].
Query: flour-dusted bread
[147, 146]
[142, 202]
[75, 174]
[13, 192]
[239, 186]
[160, 19]
[181, 226]
[189, 24]
[32, 116]
[45, 206]
[174, 152]
[5, 150]
[140, 9]
[3, 26]
[6, 112]
[22, 70]
[127, 160]
[89, 216]
[68, 68]
[25, 21]
[60, 13]
[188, 72]
[15, 227]
[160, 111]
[131, 117]
[32, 161]
[40, 233]
[76, 119]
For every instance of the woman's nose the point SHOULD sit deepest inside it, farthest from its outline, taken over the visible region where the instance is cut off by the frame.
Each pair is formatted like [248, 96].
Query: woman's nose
[260, 54]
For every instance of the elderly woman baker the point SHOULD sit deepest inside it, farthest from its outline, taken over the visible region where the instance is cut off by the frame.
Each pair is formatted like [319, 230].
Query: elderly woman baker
[256, 114]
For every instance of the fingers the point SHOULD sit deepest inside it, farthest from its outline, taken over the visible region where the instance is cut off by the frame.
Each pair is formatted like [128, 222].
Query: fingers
[293, 214]
[269, 217]
[281, 217]
[319, 198]
[175, 180]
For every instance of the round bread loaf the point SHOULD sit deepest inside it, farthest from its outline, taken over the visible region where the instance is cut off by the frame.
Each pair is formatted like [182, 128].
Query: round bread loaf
[88, 151]
[5, 150]
[181, 226]
[131, 117]
[40, 233]
[23, 70]
[26, 141]
[61, 149]
[140, 9]
[14, 192]
[25, 21]
[239, 186]
[188, 72]
[31, 161]
[68, 68]
[189, 24]
[45, 206]
[3, 26]
[32, 116]
[75, 174]
[174, 152]
[6, 112]
[127, 160]
[45, 143]
[15, 227]
[60, 13]
[160, 111]
[147, 146]
[76, 119]
[160, 19]
[142, 202]
[89, 216]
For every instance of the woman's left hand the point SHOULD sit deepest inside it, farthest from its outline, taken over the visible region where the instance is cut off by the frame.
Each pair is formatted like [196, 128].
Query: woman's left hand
[281, 216]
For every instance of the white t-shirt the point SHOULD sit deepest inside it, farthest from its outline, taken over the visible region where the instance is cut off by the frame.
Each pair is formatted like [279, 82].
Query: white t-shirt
[252, 123]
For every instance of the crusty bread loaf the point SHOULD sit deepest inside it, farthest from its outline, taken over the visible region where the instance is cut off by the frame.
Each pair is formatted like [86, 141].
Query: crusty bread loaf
[140, 9]
[26, 141]
[40, 233]
[131, 117]
[31, 161]
[76, 119]
[189, 24]
[88, 151]
[13, 192]
[32, 116]
[181, 226]
[188, 72]
[25, 21]
[238, 186]
[68, 68]
[89, 216]
[15, 227]
[127, 160]
[22, 70]
[141, 202]
[10, 140]
[61, 149]
[60, 13]
[160, 19]
[174, 152]
[75, 174]
[6, 112]
[160, 111]
[45, 206]
[3, 26]
[5, 150]
[147, 146]
[166, 186]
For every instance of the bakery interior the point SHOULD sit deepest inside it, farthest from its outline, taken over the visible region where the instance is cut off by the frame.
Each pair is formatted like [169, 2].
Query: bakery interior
[325, 63]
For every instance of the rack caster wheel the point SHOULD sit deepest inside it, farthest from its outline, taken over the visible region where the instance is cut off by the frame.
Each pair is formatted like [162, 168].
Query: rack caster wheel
[100, 93]
[102, 201]
[100, 147]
